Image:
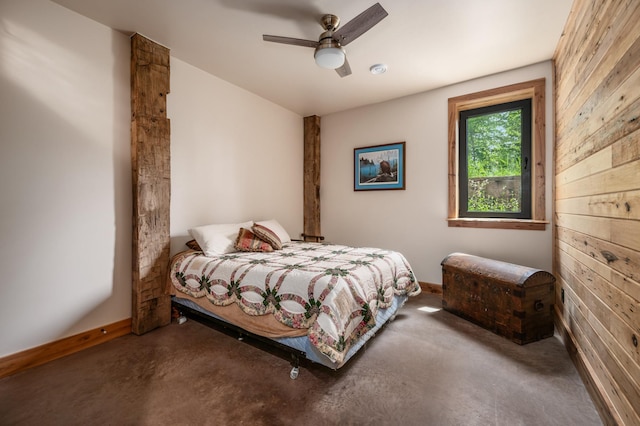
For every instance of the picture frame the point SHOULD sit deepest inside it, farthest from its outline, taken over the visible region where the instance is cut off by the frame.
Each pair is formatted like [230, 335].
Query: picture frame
[379, 167]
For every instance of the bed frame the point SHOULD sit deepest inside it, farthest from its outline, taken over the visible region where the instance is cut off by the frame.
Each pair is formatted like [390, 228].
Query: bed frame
[220, 324]
[296, 355]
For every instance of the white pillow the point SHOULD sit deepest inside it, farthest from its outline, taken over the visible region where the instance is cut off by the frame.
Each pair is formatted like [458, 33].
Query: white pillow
[277, 229]
[218, 238]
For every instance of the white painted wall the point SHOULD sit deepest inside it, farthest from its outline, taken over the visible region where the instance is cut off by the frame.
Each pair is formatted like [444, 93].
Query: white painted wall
[65, 180]
[234, 156]
[413, 221]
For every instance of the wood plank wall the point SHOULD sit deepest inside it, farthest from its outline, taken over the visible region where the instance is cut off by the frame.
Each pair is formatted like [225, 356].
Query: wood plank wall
[597, 200]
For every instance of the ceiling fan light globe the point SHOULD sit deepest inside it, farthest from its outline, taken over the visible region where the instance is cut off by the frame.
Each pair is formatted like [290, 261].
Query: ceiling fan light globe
[330, 57]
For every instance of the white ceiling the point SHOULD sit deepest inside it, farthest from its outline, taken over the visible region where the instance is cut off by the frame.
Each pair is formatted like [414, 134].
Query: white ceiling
[426, 44]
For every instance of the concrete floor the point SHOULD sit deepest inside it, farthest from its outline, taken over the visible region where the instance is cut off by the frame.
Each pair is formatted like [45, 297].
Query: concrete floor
[428, 367]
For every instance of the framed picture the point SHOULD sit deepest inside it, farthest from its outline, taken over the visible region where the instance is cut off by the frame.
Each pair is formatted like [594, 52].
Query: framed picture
[379, 167]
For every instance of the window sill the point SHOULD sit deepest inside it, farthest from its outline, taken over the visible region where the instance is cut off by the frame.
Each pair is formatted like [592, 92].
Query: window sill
[530, 225]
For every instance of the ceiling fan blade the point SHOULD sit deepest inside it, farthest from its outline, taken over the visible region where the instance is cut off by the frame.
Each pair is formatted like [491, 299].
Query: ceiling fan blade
[360, 24]
[345, 69]
[290, 40]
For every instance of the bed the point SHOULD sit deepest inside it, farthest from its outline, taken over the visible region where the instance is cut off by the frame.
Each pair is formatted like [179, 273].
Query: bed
[321, 301]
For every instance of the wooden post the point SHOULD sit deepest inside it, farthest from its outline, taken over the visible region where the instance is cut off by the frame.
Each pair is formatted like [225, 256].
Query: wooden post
[311, 230]
[151, 180]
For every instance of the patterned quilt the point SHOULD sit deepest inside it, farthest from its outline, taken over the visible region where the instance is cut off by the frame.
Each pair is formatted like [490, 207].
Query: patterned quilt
[333, 291]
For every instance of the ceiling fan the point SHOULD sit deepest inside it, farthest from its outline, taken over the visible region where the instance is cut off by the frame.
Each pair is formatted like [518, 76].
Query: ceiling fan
[329, 47]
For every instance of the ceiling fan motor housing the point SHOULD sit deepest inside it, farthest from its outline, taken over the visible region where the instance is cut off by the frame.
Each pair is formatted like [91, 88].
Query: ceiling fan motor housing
[330, 22]
[329, 54]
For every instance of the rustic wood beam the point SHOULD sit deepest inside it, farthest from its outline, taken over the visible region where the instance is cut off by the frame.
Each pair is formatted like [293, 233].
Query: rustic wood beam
[311, 189]
[151, 181]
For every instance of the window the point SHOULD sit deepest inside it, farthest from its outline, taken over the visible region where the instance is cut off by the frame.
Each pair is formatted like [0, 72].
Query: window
[496, 158]
[495, 148]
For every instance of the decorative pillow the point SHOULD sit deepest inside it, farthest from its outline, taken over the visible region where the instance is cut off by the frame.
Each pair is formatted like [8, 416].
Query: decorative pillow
[219, 238]
[193, 245]
[248, 241]
[267, 235]
[277, 229]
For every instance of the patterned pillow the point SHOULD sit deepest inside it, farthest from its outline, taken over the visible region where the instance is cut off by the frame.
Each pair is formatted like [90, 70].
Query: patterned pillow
[277, 229]
[248, 241]
[267, 235]
[193, 245]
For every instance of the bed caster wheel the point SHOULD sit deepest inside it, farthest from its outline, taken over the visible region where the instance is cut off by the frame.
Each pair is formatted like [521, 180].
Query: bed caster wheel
[294, 373]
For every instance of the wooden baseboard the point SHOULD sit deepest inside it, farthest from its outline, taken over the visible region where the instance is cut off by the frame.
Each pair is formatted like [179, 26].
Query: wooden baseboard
[591, 382]
[20, 361]
[430, 287]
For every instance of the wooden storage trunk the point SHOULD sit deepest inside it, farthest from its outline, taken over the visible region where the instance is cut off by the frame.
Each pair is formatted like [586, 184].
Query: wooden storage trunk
[513, 301]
